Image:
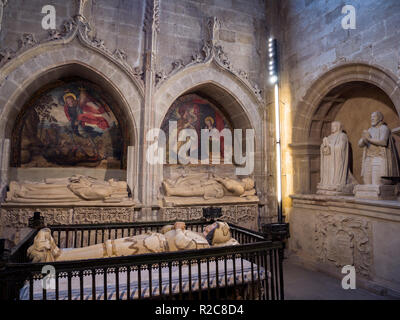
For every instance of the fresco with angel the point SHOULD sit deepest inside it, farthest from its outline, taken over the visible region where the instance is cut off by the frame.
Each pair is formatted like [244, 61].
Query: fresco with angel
[69, 124]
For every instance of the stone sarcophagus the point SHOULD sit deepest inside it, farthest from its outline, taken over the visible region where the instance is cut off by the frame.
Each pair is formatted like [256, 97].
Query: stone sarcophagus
[187, 195]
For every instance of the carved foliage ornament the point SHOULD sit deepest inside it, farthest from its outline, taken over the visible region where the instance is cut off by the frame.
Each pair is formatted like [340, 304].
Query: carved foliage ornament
[79, 27]
[211, 50]
[344, 240]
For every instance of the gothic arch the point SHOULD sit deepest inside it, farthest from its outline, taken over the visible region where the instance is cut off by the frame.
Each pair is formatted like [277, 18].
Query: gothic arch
[242, 107]
[239, 103]
[309, 120]
[33, 73]
[350, 72]
[26, 75]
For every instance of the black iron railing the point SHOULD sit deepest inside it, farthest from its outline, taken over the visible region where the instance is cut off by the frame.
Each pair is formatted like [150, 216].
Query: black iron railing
[251, 270]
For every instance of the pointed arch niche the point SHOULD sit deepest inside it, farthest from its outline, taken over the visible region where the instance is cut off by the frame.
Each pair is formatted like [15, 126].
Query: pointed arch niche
[206, 105]
[49, 140]
[348, 94]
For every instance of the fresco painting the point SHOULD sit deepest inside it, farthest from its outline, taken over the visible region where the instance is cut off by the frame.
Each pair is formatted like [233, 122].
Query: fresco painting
[194, 112]
[70, 124]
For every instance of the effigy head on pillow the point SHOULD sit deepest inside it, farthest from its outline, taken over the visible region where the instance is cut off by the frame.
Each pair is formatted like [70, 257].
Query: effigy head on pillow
[44, 248]
[219, 234]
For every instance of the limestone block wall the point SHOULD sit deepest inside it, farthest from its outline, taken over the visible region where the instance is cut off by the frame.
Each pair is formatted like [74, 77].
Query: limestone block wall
[120, 24]
[242, 32]
[313, 40]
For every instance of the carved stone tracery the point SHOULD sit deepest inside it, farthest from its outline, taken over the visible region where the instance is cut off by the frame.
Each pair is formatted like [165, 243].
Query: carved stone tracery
[79, 27]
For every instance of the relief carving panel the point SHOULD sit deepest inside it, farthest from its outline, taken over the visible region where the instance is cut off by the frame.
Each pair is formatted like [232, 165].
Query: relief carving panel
[344, 241]
[242, 215]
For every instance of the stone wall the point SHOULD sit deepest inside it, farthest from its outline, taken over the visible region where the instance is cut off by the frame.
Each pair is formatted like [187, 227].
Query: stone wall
[313, 40]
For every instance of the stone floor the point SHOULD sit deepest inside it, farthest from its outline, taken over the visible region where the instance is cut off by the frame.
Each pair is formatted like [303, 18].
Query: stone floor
[303, 284]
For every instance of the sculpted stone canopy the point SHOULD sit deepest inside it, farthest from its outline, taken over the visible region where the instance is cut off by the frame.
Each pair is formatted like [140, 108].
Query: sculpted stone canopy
[171, 238]
[76, 189]
[207, 189]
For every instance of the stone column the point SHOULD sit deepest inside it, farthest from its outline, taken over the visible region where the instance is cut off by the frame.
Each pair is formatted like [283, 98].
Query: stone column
[4, 165]
[149, 177]
[131, 171]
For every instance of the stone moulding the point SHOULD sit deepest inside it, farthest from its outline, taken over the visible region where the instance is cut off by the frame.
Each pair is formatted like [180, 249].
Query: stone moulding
[76, 27]
[211, 52]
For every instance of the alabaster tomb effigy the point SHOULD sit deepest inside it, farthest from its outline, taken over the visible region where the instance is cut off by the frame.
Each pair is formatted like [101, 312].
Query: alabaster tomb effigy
[73, 190]
[185, 196]
[170, 238]
[145, 260]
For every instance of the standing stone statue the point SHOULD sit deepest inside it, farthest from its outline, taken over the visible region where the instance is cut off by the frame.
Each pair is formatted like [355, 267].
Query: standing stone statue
[379, 160]
[336, 177]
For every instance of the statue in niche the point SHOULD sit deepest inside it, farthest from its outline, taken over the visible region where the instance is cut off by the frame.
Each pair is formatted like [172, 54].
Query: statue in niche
[69, 190]
[209, 187]
[336, 177]
[379, 157]
[171, 238]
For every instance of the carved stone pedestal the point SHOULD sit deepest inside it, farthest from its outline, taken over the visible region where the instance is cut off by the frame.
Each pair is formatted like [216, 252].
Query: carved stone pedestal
[335, 190]
[375, 192]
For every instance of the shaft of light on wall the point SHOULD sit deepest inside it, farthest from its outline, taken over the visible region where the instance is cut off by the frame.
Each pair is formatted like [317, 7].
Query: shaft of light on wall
[278, 145]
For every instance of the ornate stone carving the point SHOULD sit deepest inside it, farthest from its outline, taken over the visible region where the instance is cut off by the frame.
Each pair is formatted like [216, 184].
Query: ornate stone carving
[344, 241]
[160, 76]
[6, 55]
[27, 40]
[212, 51]
[19, 217]
[89, 215]
[213, 26]
[79, 27]
[15, 219]
[243, 215]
